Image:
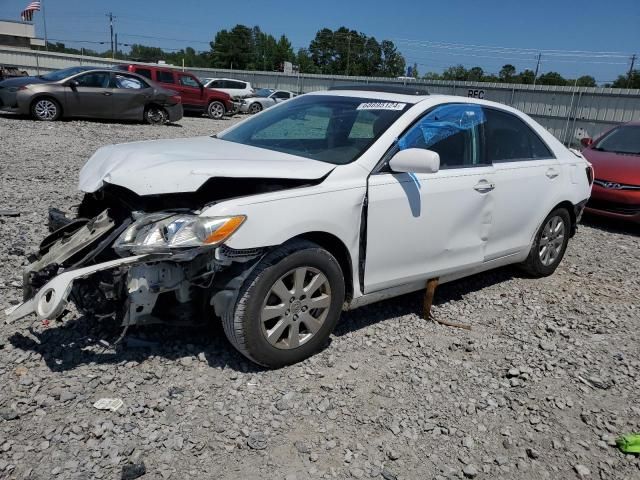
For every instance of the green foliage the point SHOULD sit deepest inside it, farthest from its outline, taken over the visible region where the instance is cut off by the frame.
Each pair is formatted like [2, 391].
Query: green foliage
[551, 78]
[625, 82]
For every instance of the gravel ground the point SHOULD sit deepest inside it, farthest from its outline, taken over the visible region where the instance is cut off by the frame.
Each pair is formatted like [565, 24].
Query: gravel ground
[540, 387]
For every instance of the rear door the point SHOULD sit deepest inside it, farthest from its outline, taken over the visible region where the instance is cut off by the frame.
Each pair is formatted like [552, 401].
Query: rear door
[191, 90]
[422, 226]
[130, 96]
[91, 96]
[526, 174]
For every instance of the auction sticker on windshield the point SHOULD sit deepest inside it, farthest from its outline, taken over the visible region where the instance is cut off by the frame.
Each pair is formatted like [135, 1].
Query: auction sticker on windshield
[382, 106]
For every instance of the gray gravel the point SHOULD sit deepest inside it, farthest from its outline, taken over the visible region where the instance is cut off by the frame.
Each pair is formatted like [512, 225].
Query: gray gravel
[540, 387]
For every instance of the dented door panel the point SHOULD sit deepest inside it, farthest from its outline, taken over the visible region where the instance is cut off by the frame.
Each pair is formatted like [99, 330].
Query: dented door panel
[424, 226]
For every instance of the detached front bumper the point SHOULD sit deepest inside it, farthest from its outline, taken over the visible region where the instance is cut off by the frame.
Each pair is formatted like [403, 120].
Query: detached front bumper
[49, 302]
[175, 112]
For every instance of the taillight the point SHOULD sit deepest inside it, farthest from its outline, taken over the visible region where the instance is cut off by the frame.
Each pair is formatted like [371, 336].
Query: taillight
[590, 176]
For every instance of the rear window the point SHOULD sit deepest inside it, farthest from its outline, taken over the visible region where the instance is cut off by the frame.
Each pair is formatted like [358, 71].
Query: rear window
[164, 77]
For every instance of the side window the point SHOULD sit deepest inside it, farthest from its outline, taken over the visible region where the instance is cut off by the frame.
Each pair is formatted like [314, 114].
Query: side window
[164, 77]
[131, 83]
[237, 85]
[452, 131]
[281, 95]
[94, 80]
[509, 139]
[216, 84]
[188, 81]
[145, 72]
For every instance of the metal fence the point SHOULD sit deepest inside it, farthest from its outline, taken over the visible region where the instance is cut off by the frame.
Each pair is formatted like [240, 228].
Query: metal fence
[567, 112]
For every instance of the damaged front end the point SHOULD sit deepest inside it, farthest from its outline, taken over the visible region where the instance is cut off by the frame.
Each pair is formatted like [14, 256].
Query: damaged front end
[138, 267]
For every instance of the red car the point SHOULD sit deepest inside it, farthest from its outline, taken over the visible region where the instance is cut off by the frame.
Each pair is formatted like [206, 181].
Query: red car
[616, 162]
[195, 98]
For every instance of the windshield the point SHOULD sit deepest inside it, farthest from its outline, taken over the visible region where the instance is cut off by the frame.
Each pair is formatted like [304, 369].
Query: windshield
[62, 74]
[328, 128]
[264, 92]
[624, 140]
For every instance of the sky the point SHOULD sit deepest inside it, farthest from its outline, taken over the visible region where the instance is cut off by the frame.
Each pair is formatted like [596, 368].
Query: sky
[575, 37]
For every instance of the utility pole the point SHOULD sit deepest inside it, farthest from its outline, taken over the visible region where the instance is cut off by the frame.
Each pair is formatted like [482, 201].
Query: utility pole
[111, 17]
[348, 52]
[633, 63]
[44, 22]
[116, 47]
[535, 77]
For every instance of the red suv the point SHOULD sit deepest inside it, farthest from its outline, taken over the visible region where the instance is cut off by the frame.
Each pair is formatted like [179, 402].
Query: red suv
[195, 98]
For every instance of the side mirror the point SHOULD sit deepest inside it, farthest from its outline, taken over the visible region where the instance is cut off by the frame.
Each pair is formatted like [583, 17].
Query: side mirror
[73, 84]
[586, 141]
[415, 160]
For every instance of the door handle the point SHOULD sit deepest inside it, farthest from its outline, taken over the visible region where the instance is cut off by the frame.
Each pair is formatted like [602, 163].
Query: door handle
[552, 173]
[107, 94]
[484, 187]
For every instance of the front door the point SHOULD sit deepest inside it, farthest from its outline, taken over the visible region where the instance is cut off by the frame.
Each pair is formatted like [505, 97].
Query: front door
[422, 226]
[90, 96]
[191, 90]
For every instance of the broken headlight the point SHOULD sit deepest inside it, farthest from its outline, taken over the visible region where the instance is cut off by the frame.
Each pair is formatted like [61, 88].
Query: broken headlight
[163, 232]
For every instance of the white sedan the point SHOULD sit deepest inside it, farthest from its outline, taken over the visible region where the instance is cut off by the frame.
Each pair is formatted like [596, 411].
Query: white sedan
[324, 203]
[263, 99]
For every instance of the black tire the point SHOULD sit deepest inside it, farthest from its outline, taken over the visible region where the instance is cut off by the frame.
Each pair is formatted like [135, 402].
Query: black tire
[216, 110]
[46, 109]
[155, 115]
[534, 264]
[243, 324]
[254, 108]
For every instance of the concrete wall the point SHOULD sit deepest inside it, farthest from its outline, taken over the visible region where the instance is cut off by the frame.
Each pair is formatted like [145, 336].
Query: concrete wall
[567, 112]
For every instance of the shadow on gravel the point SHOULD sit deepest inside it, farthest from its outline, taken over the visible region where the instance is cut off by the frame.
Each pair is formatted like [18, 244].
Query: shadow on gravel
[14, 116]
[413, 302]
[65, 346]
[611, 225]
[78, 342]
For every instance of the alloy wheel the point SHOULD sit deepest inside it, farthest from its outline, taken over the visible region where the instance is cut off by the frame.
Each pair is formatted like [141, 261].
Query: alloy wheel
[551, 241]
[45, 109]
[295, 308]
[255, 108]
[216, 110]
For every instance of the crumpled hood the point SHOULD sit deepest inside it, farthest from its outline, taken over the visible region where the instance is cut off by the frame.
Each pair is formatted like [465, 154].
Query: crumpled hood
[183, 165]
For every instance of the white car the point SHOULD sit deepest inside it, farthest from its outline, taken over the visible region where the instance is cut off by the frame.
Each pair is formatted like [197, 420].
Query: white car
[264, 98]
[321, 204]
[235, 88]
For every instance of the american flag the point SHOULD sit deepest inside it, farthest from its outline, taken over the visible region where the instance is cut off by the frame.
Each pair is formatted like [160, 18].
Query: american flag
[27, 13]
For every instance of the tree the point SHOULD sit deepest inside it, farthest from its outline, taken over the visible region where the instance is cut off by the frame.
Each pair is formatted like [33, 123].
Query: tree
[624, 82]
[507, 72]
[552, 78]
[527, 77]
[475, 74]
[393, 63]
[414, 71]
[586, 81]
[457, 72]
[234, 48]
[305, 62]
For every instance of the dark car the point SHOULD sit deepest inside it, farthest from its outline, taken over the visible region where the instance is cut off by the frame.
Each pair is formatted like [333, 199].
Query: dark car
[615, 157]
[195, 98]
[9, 71]
[91, 93]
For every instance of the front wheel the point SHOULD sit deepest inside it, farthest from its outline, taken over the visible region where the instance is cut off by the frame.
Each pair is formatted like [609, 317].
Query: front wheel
[216, 110]
[255, 108]
[288, 306]
[46, 110]
[549, 245]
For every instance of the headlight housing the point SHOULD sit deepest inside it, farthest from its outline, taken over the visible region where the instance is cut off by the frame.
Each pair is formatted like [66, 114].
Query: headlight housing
[164, 232]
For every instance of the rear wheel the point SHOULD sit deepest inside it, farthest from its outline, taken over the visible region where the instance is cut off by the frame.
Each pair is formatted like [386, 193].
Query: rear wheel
[255, 108]
[549, 245]
[288, 306]
[216, 110]
[155, 115]
[46, 109]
